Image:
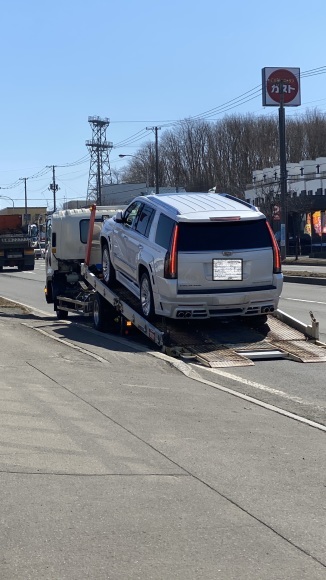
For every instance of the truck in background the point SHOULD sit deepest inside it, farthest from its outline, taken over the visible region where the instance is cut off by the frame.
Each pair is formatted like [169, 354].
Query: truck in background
[15, 243]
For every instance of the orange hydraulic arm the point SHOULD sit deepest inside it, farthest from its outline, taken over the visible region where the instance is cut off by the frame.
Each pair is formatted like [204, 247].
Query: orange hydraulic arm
[90, 234]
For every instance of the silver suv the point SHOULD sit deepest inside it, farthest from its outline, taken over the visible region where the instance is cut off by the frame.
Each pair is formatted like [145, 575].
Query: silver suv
[193, 255]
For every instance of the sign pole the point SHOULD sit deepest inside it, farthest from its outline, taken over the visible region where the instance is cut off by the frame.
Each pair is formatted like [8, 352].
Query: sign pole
[283, 175]
[281, 86]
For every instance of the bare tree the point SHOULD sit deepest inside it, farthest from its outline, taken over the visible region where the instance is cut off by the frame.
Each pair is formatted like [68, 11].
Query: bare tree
[200, 155]
[140, 166]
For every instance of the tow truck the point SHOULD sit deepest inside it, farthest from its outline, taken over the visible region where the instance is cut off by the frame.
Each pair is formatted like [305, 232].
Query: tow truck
[74, 284]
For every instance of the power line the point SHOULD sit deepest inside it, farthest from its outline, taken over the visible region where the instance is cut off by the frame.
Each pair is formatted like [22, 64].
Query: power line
[206, 115]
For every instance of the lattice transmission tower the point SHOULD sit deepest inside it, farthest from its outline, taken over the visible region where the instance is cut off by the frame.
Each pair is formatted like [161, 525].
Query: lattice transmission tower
[99, 149]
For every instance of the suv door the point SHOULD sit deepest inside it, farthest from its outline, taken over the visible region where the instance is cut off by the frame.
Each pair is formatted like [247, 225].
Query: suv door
[123, 242]
[135, 241]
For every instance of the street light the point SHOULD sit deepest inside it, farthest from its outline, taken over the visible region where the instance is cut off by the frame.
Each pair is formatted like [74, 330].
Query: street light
[140, 159]
[7, 197]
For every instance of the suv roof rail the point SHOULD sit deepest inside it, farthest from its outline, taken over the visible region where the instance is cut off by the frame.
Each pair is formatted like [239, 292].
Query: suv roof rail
[228, 196]
[163, 204]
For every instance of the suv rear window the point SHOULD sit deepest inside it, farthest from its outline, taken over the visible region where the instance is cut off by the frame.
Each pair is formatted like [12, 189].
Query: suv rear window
[210, 236]
[164, 231]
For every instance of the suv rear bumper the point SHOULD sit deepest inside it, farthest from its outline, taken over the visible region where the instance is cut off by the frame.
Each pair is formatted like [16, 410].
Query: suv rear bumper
[220, 305]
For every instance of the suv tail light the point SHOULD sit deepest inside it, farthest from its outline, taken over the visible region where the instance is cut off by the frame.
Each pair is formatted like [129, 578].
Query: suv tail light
[171, 257]
[277, 264]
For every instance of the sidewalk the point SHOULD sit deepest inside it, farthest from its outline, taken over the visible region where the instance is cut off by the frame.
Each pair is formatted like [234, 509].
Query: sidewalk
[115, 465]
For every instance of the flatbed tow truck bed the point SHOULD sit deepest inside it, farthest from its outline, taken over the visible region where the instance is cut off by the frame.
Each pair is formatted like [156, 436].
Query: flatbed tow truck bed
[214, 343]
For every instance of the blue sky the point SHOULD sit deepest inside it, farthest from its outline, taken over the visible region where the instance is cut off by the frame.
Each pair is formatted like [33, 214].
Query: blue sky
[140, 63]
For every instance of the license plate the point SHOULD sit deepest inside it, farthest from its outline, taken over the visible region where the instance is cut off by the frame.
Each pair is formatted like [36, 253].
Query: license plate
[227, 269]
[14, 256]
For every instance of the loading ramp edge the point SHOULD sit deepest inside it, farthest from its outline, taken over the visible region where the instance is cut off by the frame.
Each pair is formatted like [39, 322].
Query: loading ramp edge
[312, 331]
[217, 354]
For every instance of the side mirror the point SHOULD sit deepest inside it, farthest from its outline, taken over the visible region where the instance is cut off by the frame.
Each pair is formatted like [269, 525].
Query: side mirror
[119, 217]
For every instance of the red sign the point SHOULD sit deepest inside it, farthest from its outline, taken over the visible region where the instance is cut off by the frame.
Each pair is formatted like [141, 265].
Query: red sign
[281, 84]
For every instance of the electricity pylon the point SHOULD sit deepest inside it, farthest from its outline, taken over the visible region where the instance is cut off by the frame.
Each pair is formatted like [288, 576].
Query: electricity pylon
[99, 149]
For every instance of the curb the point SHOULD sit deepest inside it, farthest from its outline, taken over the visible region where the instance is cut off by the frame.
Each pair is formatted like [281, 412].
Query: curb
[307, 280]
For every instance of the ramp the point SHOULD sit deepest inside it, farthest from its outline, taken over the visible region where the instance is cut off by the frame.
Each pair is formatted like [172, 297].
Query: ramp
[239, 343]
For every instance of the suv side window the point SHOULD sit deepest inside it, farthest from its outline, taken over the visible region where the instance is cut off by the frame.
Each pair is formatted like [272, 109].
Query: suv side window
[164, 231]
[144, 220]
[131, 213]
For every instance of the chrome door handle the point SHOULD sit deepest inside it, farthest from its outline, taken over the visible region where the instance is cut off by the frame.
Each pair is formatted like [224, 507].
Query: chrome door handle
[140, 247]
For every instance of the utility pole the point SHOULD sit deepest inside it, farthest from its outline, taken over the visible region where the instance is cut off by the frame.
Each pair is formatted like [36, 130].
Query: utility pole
[53, 187]
[156, 129]
[24, 179]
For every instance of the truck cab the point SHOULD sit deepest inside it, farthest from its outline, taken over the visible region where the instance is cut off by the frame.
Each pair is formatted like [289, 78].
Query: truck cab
[66, 239]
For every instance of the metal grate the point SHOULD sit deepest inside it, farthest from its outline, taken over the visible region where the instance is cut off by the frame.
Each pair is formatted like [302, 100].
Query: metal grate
[278, 330]
[221, 356]
[302, 351]
[259, 346]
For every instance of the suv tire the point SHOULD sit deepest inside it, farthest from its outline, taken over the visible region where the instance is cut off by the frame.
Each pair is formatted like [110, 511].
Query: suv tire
[146, 297]
[109, 278]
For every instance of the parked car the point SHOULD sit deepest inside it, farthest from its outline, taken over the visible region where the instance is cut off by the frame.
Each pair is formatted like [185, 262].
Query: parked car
[39, 250]
[193, 255]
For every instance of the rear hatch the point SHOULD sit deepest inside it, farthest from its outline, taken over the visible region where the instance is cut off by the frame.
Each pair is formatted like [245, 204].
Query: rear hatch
[225, 256]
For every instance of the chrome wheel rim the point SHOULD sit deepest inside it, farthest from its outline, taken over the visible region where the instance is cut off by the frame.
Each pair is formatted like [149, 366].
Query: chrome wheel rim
[106, 265]
[145, 297]
[96, 313]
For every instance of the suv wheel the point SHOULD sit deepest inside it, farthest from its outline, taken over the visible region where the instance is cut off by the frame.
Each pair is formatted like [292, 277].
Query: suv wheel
[146, 297]
[108, 270]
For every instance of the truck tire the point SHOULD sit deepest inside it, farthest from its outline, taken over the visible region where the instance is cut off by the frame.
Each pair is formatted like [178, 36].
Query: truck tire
[146, 297]
[101, 312]
[48, 293]
[109, 278]
[62, 314]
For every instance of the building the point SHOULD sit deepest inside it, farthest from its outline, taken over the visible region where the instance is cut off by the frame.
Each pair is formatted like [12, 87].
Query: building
[305, 178]
[306, 188]
[120, 194]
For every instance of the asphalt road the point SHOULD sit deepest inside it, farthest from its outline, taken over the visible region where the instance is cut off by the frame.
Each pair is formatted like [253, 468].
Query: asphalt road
[292, 386]
[121, 463]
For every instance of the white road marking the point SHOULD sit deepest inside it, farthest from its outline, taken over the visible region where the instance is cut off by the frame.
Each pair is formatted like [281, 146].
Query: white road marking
[300, 300]
[189, 371]
[259, 386]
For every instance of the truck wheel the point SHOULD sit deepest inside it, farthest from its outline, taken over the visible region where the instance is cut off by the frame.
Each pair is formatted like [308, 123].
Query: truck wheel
[62, 314]
[146, 297]
[108, 270]
[100, 313]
